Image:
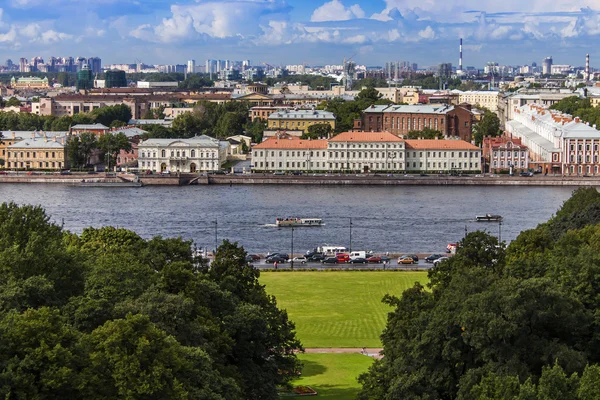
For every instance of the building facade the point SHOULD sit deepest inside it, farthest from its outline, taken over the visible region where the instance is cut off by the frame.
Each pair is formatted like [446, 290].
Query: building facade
[442, 155]
[451, 121]
[299, 119]
[558, 143]
[30, 82]
[197, 154]
[288, 153]
[502, 153]
[487, 99]
[363, 152]
[37, 153]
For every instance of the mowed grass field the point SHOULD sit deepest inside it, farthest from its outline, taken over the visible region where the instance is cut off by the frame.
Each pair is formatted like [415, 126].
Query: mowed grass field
[338, 309]
[333, 376]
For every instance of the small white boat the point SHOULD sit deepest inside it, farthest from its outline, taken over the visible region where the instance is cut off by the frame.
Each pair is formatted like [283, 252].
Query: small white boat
[291, 221]
[488, 218]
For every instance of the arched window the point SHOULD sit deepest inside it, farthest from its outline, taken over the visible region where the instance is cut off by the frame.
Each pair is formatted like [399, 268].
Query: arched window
[164, 153]
[154, 154]
[178, 154]
[172, 153]
[193, 153]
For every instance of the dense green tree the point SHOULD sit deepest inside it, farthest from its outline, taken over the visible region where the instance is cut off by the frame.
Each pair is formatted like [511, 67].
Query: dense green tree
[13, 102]
[255, 130]
[196, 81]
[107, 115]
[317, 131]
[111, 144]
[230, 124]
[488, 126]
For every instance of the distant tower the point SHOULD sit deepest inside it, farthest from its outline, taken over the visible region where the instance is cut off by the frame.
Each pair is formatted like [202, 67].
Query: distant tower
[547, 66]
[587, 67]
[460, 65]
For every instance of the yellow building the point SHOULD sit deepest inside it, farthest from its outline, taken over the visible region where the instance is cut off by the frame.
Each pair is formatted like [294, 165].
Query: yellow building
[299, 120]
[6, 141]
[487, 99]
[36, 153]
[30, 82]
[595, 100]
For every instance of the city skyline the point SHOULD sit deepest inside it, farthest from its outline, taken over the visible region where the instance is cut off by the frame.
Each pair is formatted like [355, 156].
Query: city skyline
[295, 32]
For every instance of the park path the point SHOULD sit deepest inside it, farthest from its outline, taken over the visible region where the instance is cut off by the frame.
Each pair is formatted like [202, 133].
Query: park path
[371, 352]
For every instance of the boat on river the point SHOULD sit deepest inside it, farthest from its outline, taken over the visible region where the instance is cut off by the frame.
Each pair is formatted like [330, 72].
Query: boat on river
[488, 218]
[296, 222]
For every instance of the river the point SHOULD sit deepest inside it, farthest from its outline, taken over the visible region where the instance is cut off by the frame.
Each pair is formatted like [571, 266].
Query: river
[396, 219]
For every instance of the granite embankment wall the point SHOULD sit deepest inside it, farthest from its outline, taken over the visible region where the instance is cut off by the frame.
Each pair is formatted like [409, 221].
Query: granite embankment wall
[259, 179]
[401, 180]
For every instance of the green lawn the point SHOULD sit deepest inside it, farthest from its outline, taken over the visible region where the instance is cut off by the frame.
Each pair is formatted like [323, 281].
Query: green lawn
[338, 309]
[333, 376]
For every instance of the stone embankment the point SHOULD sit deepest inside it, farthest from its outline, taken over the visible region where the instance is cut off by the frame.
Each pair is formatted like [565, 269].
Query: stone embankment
[333, 179]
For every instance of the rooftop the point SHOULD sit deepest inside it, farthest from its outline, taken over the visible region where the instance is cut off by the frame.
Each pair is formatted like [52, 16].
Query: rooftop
[90, 126]
[432, 144]
[39, 143]
[302, 114]
[365, 137]
[412, 109]
[291, 143]
[196, 140]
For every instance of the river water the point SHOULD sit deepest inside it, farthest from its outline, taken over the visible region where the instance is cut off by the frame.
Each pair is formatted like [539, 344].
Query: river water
[395, 219]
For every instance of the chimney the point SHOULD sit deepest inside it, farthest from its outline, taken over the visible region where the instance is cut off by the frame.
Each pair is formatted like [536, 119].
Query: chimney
[460, 67]
[14, 136]
[54, 139]
[45, 139]
[587, 67]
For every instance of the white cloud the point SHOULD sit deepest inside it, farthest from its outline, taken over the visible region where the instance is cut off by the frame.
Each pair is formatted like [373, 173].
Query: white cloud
[427, 33]
[9, 36]
[52, 36]
[217, 19]
[336, 11]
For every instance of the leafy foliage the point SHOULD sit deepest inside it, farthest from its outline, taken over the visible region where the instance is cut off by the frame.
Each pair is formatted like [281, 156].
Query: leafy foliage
[317, 131]
[579, 107]
[488, 126]
[107, 314]
[519, 323]
[426, 133]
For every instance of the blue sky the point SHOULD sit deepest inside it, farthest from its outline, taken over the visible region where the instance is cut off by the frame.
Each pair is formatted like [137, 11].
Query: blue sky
[316, 32]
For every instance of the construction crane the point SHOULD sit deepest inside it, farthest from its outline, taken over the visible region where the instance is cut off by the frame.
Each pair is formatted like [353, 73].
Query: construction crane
[347, 75]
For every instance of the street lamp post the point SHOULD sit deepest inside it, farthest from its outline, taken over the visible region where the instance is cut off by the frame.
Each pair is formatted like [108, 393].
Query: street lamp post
[292, 252]
[350, 249]
[216, 237]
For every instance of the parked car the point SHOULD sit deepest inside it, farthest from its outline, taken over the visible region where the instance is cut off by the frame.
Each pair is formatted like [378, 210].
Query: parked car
[330, 260]
[278, 173]
[526, 173]
[358, 260]
[413, 256]
[255, 257]
[65, 172]
[300, 259]
[433, 257]
[439, 260]
[279, 259]
[280, 255]
[316, 257]
[3, 173]
[343, 257]
[374, 259]
[385, 259]
[406, 260]
[249, 259]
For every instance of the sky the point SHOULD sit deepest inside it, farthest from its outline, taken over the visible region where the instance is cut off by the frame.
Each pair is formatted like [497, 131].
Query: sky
[315, 32]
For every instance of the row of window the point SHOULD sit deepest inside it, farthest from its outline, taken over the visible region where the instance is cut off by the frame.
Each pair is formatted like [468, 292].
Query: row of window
[509, 154]
[444, 165]
[580, 147]
[367, 154]
[32, 154]
[580, 159]
[508, 164]
[432, 154]
[27, 164]
[319, 165]
[366, 146]
[176, 154]
[148, 164]
[417, 124]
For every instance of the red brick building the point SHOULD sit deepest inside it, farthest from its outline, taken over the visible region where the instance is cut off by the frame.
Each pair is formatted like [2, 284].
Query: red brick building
[451, 121]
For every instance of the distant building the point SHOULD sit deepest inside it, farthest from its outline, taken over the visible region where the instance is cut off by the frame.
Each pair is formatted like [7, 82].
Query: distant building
[547, 66]
[85, 78]
[97, 129]
[115, 79]
[288, 153]
[30, 82]
[200, 153]
[152, 85]
[487, 99]
[300, 119]
[95, 65]
[451, 121]
[191, 67]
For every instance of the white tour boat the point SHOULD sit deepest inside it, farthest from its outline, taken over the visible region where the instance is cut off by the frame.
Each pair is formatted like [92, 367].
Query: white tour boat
[291, 221]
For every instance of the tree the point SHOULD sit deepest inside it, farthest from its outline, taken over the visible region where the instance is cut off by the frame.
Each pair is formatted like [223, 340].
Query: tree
[255, 130]
[317, 131]
[488, 126]
[230, 124]
[13, 102]
[111, 145]
[107, 115]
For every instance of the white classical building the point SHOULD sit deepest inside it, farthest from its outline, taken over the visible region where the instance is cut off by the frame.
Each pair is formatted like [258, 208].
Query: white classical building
[197, 154]
[484, 98]
[558, 143]
[366, 151]
[442, 155]
[290, 153]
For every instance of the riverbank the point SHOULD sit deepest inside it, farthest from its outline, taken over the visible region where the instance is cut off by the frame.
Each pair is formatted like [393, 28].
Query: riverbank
[315, 180]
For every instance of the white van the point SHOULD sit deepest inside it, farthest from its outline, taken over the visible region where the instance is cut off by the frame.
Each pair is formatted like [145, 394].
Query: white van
[358, 254]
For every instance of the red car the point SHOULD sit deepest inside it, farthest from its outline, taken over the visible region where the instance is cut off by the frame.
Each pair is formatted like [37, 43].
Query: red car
[374, 259]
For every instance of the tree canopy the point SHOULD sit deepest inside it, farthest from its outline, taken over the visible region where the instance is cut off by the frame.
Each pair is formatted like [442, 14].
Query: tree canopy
[496, 323]
[579, 107]
[107, 314]
[488, 126]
